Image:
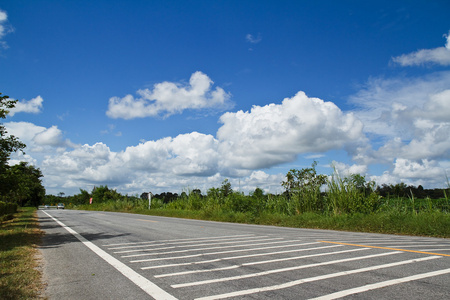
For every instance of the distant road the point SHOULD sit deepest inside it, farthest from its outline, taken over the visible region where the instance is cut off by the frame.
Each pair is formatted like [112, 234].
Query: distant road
[102, 255]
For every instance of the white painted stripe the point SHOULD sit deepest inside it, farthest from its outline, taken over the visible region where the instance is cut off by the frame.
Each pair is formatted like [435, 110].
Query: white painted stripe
[213, 253]
[311, 279]
[199, 245]
[208, 248]
[250, 275]
[382, 284]
[146, 285]
[189, 239]
[241, 256]
[301, 257]
[258, 263]
[141, 250]
[187, 242]
[198, 271]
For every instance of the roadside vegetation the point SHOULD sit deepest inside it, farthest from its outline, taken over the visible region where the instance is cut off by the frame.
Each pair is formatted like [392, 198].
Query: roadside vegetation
[20, 185]
[19, 237]
[310, 200]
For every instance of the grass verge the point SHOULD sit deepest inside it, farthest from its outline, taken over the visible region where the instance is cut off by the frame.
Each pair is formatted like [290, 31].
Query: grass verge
[19, 236]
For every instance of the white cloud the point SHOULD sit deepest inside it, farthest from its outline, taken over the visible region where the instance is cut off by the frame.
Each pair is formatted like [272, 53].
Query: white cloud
[5, 28]
[277, 133]
[428, 173]
[187, 154]
[422, 169]
[440, 56]
[409, 124]
[168, 98]
[32, 106]
[38, 138]
[252, 39]
[385, 105]
[345, 170]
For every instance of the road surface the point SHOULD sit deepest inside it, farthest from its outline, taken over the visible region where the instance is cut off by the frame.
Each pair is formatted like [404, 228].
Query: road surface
[103, 255]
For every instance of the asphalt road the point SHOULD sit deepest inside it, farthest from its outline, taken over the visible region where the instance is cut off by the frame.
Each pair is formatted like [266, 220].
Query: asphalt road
[103, 255]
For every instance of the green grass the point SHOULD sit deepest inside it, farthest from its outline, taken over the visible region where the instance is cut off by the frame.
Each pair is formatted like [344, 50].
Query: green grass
[395, 218]
[19, 237]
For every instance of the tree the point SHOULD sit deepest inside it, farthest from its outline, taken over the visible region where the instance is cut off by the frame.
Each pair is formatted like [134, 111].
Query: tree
[226, 189]
[304, 179]
[24, 185]
[8, 144]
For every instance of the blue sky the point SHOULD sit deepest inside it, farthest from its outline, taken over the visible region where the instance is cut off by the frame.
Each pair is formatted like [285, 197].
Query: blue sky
[176, 95]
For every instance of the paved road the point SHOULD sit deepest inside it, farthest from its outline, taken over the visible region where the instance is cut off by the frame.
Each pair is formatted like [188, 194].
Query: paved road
[102, 255]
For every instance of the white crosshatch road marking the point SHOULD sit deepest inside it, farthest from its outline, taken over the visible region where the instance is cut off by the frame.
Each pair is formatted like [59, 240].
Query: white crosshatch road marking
[311, 279]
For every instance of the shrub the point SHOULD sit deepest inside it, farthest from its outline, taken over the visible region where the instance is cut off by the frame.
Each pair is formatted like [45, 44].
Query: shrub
[7, 208]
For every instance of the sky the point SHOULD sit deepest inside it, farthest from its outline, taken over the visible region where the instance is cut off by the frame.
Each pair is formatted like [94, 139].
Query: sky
[171, 96]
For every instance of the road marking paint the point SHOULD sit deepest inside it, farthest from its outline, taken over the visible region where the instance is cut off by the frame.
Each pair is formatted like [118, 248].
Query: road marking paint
[198, 245]
[409, 246]
[382, 284]
[250, 275]
[311, 279]
[189, 239]
[146, 285]
[198, 271]
[213, 253]
[154, 249]
[147, 220]
[257, 263]
[301, 257]
[188, 242]
[238, 257]
[208, 248]
[386, 248]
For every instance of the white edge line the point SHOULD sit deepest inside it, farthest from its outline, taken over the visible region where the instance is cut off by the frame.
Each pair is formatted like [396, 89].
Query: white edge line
[146, 285]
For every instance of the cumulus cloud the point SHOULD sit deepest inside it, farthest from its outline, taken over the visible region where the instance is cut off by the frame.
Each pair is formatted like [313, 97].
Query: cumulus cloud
[168, 98]
[37, 138]
[277, 133]
[440, 56]
[32, 106]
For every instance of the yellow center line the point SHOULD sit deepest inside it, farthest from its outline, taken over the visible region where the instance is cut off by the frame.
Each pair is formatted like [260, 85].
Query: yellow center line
[147, 220]
[386, 248]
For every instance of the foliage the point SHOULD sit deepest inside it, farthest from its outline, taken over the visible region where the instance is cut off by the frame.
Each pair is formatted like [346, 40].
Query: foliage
[24, 185]
[8, 143]
[7, 209]
[20, 183]
[351, 194]
[303, 186]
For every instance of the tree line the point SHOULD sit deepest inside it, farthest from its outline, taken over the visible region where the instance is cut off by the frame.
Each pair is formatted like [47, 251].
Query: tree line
[20, 184]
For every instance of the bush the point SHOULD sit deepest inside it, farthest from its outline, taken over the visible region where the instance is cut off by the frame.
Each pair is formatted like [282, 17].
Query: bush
[7, 208]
